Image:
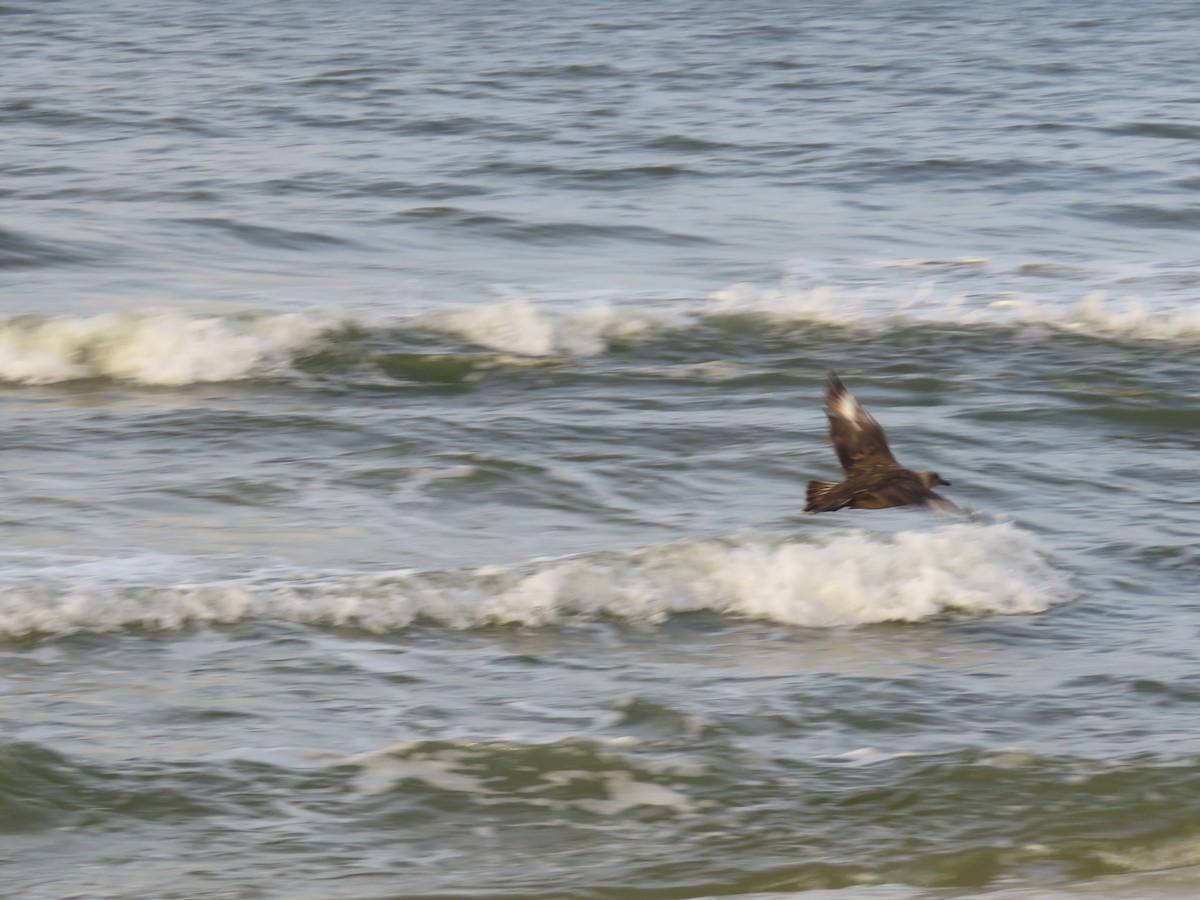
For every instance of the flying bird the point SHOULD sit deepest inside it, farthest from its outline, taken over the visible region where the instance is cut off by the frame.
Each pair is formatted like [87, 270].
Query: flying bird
[874, 480]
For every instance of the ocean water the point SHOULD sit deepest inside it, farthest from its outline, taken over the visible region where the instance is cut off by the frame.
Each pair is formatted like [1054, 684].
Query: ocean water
[407, 413]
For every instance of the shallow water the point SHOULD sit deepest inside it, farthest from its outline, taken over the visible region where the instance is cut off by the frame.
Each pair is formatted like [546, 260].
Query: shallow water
[409, 410]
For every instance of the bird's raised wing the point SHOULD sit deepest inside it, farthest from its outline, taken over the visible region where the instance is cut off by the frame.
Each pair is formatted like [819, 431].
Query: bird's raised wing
[858, 439]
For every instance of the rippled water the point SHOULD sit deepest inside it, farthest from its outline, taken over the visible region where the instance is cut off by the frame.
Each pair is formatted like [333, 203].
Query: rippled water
[409, 408]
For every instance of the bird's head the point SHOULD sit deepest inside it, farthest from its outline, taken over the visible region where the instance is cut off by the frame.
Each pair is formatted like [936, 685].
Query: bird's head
[933, 479]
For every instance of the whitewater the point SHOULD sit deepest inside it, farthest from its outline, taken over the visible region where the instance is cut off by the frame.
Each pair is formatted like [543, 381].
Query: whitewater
[165, 347]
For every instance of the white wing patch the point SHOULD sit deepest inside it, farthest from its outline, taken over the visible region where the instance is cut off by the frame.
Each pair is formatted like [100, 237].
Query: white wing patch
[846, 407]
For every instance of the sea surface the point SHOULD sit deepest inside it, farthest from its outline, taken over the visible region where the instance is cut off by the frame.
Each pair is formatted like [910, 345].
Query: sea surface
[407, 409]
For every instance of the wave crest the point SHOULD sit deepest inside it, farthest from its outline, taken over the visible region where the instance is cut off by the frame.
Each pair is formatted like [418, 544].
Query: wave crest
[170, 349]
[523, 327]
[846, 578]
[152, 348]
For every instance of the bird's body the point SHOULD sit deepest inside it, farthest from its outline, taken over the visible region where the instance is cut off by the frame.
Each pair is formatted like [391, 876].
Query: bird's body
[874, 479]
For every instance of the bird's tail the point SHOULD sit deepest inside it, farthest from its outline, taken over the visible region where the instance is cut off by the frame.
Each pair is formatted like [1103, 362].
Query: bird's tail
[815, 497]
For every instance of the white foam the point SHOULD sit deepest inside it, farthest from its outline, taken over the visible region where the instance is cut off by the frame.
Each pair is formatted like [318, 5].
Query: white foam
[790, 302]
[171, 348]
[624, 793]
[1131, 318]
[381, 771]
[523, 327]
[154, 348]
[844, 578]
[462, 768]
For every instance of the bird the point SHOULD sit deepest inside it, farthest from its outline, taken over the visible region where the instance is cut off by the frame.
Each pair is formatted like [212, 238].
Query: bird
[874, 480]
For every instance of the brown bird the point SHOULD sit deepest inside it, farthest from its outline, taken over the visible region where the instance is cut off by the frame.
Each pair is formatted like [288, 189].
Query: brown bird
[874, 480]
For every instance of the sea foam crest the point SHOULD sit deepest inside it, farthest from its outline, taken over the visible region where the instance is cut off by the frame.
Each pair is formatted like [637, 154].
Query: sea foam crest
[528, 328]
[791, 302]
[1133, 318]
[845, 578]
[154, 348]
[1094, 313]
[171, 348]
[523, 327]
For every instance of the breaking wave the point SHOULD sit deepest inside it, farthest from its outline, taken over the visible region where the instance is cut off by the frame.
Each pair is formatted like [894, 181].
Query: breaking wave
[172, 349]
[523, 327]
[153, 348]
[845, 578]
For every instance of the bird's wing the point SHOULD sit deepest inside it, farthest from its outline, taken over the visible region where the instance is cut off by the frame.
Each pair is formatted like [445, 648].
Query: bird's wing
[899, 491]
[858, 439]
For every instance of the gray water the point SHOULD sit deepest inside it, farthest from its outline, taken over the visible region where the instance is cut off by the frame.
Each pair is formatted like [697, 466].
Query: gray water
[408, 412]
